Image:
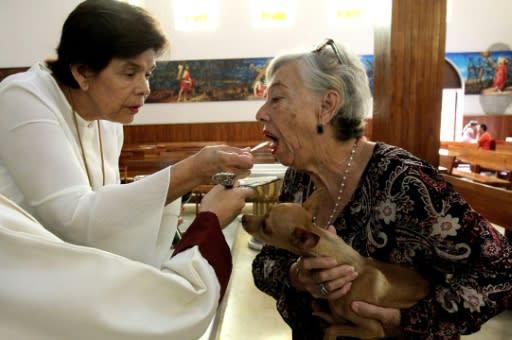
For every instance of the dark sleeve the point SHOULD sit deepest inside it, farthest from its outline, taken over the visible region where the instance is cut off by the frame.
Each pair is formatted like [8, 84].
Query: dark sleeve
[205, 232]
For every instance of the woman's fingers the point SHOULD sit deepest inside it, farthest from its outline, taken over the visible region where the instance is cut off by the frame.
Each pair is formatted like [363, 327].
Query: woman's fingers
[323, 278]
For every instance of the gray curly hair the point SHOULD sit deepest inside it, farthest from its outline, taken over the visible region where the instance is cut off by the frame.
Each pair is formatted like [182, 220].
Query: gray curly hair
[343, 71]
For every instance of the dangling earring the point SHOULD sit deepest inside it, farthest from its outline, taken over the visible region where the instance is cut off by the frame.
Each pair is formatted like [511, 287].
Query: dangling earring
[319, 126]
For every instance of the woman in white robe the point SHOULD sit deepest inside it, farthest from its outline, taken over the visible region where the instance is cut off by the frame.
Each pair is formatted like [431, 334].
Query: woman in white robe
[61, 136]
[60, 139]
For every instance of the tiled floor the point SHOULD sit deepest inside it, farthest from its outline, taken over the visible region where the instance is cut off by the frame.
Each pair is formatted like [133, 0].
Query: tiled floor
[247, 313]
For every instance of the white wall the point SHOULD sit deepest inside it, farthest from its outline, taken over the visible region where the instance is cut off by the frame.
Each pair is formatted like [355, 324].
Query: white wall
[31, 30]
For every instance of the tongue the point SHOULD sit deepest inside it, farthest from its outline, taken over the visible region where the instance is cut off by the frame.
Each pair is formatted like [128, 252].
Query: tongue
[273, 146]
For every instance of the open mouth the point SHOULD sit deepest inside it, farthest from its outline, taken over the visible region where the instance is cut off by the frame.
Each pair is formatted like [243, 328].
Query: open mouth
[274, 141]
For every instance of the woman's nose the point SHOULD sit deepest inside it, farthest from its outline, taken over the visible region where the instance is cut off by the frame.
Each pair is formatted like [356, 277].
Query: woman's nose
[143, 88]
[262, 114]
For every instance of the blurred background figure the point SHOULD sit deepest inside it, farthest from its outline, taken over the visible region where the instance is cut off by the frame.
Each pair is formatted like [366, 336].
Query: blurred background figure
[469, 132]
[484, 138]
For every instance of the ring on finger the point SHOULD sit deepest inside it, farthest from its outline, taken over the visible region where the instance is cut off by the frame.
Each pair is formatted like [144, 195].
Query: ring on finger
[323, 289]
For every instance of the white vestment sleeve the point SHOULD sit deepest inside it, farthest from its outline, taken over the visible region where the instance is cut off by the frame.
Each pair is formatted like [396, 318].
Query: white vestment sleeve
[50, 289]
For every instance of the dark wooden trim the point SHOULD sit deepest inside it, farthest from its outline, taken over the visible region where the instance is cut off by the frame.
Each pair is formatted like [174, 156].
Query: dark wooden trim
[193, 132]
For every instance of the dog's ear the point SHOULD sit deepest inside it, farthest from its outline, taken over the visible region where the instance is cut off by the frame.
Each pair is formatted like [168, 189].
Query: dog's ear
[303, 239]
[311, 203]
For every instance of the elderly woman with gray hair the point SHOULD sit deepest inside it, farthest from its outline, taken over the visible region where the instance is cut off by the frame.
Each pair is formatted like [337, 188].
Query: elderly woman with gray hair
[383, 201]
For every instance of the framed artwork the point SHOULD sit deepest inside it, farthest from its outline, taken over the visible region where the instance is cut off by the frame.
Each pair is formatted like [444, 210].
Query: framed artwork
[208, 80]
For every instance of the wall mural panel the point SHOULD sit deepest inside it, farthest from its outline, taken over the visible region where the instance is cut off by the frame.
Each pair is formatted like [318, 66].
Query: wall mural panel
[214, 80]
[244, 79]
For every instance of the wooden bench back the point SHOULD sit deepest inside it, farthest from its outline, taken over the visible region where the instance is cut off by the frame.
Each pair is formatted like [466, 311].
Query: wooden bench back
[504, 146]
[494, 160]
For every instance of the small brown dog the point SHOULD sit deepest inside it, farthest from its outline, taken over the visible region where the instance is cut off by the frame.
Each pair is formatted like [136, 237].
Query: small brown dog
[290, 226]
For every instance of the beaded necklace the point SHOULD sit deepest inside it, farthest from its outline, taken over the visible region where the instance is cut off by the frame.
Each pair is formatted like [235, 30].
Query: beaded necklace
[342, 185]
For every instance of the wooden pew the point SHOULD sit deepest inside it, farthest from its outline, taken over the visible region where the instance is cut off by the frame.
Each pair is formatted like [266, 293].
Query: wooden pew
[138, 167]
[493, 203]
[459, 145]
[482, 160]
[503, 146]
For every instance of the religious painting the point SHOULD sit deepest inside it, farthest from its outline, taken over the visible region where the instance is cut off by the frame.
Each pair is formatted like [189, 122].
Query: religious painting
[484, 72]
[208, 80]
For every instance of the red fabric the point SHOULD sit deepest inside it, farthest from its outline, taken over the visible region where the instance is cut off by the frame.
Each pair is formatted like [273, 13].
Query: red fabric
[186, 81]
[205, 232]
[501, 76]
[484, 141]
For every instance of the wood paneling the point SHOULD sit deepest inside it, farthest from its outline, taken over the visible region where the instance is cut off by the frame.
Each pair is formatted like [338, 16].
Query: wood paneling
[408, 75]
[225, 131]
[236, 133]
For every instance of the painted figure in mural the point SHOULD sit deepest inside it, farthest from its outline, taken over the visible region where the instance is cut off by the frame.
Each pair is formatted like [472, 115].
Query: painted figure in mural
[259, 81]
[185, 85]
[500, 77]
[259, 89]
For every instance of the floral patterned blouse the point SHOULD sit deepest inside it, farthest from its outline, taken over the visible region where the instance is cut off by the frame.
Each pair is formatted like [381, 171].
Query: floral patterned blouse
[404, 212]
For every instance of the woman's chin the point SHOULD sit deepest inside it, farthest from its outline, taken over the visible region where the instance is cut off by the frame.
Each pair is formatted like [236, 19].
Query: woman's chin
[286, 160]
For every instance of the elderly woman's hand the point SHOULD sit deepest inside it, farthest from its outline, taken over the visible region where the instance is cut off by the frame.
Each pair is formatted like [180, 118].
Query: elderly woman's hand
[223, 158]
[225, 203]
[321, 276]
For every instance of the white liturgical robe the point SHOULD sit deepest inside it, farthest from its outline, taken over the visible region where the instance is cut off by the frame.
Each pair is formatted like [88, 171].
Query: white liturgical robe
[50, 289]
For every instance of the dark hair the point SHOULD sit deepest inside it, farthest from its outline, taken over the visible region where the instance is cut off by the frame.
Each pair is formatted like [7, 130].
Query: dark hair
[99, 30]
[484, 127]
